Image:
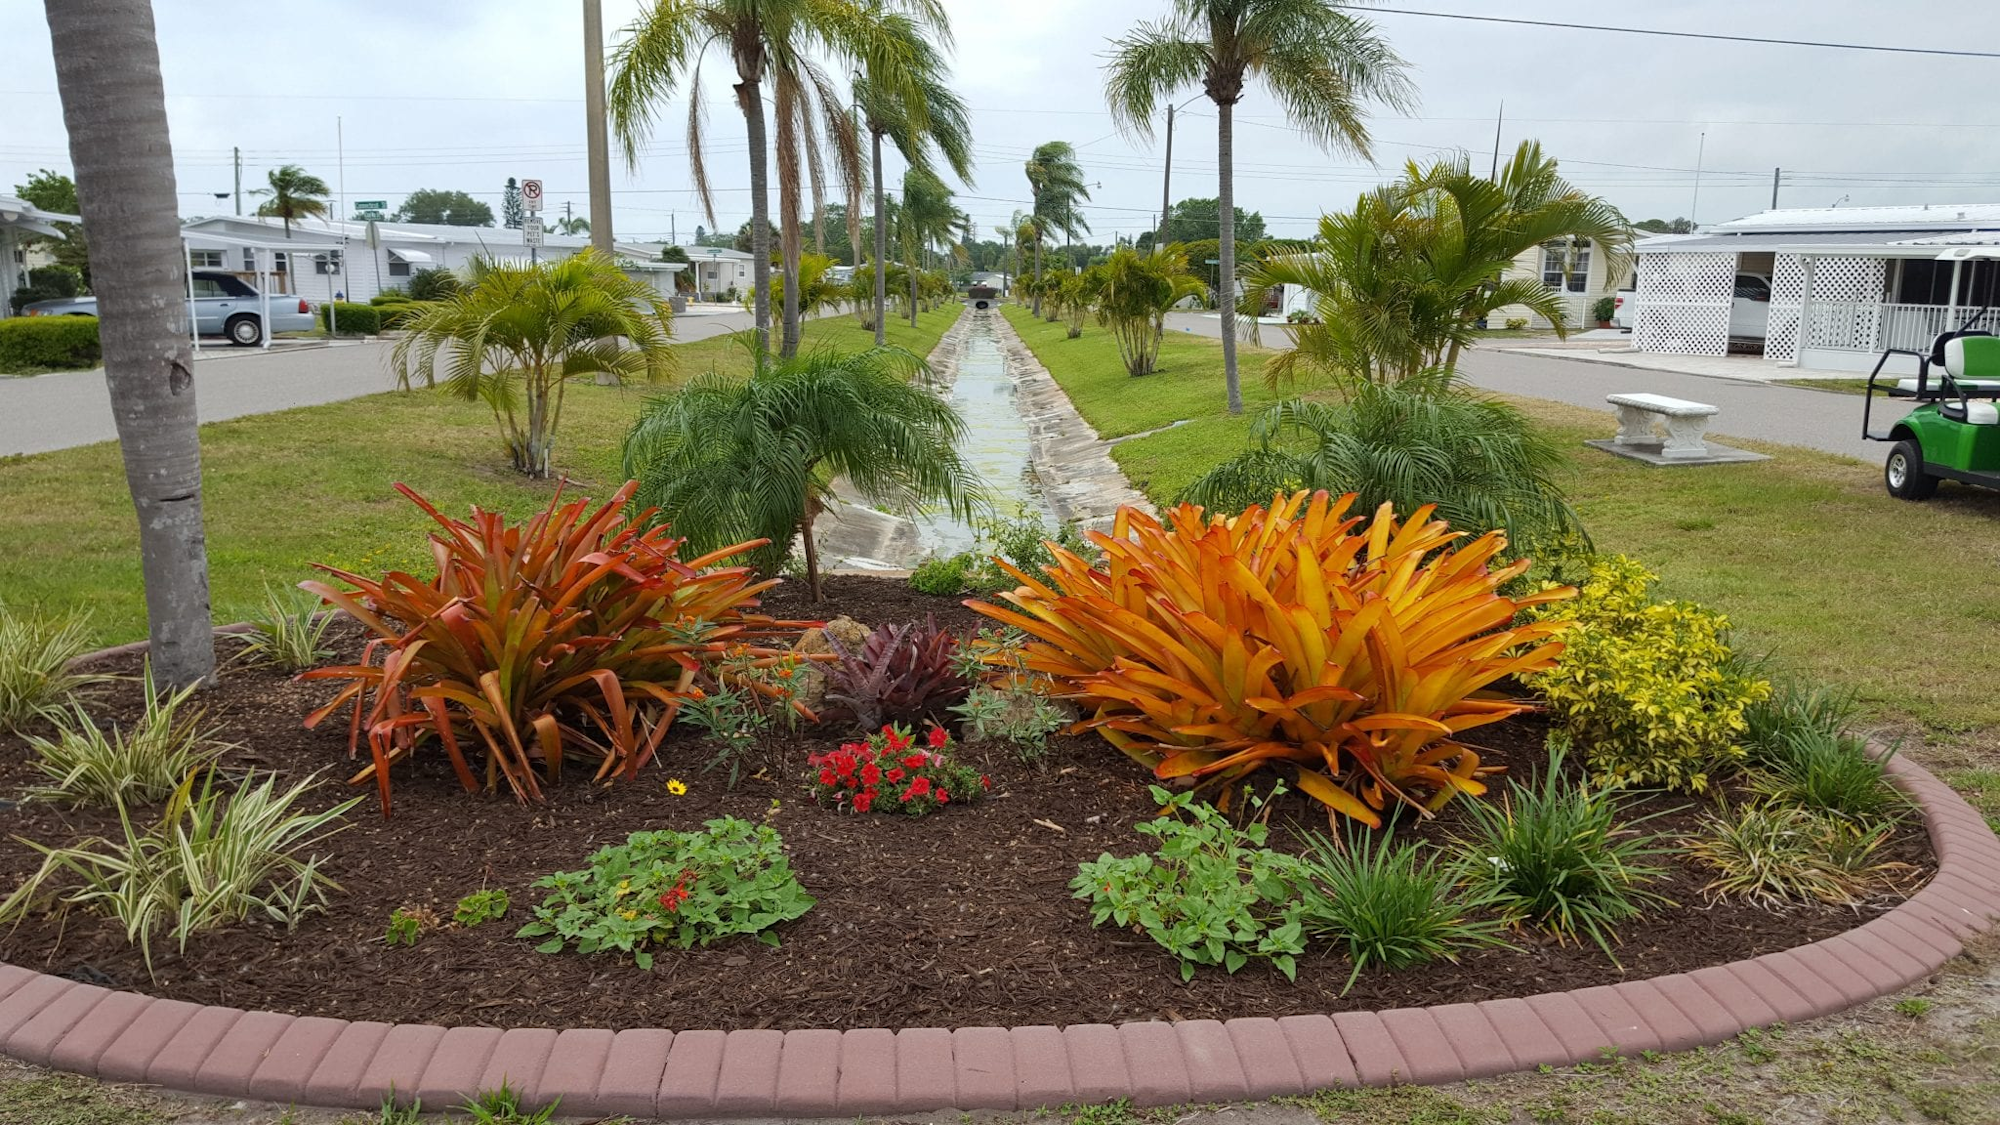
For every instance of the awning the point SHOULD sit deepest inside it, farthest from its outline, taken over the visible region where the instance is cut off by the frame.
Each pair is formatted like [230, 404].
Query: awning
[1858, 244]
[415, 257]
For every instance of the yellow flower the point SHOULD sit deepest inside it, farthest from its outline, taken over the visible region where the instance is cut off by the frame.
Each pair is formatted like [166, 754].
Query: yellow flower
[624, 887]
[629, 915]
[677, 787]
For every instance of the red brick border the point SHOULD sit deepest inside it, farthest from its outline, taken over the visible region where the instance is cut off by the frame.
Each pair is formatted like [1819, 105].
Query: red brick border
[122, 1036]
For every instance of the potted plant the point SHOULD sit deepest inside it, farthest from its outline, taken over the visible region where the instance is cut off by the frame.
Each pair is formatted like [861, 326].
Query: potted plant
[1602, 310]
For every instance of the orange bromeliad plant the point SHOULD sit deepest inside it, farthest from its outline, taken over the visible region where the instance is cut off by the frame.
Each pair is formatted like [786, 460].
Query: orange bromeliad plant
[575, 632]
[1215, 646]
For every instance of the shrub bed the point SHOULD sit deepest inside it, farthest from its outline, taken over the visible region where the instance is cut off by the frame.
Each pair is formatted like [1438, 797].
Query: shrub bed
[61, 343]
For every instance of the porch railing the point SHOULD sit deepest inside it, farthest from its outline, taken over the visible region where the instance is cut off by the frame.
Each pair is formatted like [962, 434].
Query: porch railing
[1864, 326]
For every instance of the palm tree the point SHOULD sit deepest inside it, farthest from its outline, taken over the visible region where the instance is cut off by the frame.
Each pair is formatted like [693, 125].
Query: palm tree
[1401, 282]
[1324, 64]
[762, 39]
[928, 219]
[294, 194]
[114, 105]
[1426, 440]
[1055, 180]
[514, 335]
[808, 110]
[934, 124]
[726, 459]
[1134, 292]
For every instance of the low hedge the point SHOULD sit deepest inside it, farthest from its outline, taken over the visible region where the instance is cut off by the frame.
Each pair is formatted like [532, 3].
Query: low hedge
[67, 343]
[350, 319]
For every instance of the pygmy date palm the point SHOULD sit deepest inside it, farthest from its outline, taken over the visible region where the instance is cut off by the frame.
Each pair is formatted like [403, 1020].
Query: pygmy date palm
[1323, 63]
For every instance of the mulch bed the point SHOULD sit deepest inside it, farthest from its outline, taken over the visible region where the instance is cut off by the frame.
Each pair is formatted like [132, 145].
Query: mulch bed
[961, 918]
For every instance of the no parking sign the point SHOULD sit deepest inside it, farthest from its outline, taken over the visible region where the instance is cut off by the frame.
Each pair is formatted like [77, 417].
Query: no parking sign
[531, 194]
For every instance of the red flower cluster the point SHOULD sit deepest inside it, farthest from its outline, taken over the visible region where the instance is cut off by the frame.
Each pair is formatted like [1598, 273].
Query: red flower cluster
[890, 764]
[678, 893]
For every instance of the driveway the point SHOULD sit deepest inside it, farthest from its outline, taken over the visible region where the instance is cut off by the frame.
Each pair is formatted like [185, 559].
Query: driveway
[72, 408]
[1770, 412]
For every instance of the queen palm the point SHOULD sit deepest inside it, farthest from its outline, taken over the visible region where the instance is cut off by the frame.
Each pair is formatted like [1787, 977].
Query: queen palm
[514, 335]
[763, 39]
[935, 124]
[1323, 63]
[114, 106]
[727, 459]
[1055, 180]
[294, 193]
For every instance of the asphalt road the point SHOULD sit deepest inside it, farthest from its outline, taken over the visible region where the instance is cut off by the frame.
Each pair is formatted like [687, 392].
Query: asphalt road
[1761, 411]
[73, 408]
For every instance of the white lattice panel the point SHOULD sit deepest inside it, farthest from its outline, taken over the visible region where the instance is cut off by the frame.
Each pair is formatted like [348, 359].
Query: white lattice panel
[1788, 281]
[1684, 303]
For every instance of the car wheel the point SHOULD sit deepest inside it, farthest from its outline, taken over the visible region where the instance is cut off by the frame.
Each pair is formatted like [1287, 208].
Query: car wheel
[244, 332]
[1903, 473]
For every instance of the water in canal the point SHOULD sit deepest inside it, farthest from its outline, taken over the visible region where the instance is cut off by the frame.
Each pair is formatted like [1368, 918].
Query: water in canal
[995, 445]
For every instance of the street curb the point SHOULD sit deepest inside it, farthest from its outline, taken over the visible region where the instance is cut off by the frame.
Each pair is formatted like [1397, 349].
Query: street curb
[341, 1064]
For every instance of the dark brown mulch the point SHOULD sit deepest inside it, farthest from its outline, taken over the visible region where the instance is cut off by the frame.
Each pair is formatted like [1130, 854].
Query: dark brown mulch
[961, 918]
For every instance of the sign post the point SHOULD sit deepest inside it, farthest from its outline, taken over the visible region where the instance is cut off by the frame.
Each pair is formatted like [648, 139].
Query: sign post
[531, 226]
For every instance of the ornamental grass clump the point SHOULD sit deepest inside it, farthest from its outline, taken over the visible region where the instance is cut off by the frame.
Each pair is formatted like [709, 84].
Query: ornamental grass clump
[36, 680]
[136, 764]
[289, 632]
[1392, 905]
[1350, 652]
[1649, 692]
[679, 889]
[890, 772]
[576, 633]
[1776, 855]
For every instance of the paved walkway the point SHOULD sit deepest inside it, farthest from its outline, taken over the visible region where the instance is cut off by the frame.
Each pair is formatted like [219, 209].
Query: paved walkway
[1749, 409]
[73, 408]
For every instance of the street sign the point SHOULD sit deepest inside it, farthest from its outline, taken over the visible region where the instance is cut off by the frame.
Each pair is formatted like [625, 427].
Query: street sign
[372, 205]
[531, 194]
[370, 215]
[531, 231]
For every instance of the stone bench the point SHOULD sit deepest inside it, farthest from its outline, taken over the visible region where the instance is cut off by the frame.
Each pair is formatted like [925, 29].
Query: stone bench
[1686, 423]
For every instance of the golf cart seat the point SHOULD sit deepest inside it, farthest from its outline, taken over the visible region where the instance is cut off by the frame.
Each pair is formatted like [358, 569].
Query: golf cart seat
[1945, 338]
[1971, 413]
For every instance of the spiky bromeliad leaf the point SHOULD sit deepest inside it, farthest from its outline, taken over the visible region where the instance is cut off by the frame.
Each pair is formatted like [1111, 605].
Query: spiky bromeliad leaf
[1212, 646]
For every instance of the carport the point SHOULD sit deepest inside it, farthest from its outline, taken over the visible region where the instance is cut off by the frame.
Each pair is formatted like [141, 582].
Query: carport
[263, 253]
[20, 219]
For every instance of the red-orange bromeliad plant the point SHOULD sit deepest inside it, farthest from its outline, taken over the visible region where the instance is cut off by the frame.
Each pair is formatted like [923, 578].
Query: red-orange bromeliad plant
[531, 631]
[1215, 646]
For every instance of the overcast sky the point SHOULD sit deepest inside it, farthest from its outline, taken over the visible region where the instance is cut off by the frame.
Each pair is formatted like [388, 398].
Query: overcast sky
[463, 95]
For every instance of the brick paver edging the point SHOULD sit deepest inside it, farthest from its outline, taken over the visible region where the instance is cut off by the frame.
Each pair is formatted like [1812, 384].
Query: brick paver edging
[307, 1060]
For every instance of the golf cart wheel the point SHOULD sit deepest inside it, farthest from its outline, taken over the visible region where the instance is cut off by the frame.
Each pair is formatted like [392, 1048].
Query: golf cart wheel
[245, 332]
[1904, 474]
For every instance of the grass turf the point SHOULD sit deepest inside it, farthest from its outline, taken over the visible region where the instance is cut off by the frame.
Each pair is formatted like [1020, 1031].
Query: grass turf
[282, 491]
[1811, 561]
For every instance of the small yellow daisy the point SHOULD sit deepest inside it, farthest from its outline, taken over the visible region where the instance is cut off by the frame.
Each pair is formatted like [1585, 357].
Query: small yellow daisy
[677, 787]
[629, 915]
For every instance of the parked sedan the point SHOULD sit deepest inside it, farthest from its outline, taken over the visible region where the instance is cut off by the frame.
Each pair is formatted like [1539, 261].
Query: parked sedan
[224, 305]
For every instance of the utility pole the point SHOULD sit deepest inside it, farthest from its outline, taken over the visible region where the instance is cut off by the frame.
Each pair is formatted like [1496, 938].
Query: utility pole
[1166, 180]
[1775, 174]
[1500, 117]
[593, 111]
[1694, 208]
[237, 153]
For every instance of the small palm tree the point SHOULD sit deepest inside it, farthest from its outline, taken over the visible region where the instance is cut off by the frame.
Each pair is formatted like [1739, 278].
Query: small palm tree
[727, 459]
[1055, 179]
[935, 124]
[1134, 293]
[294, 193]
[1426, 440]
[1324, 63]
[515, 334]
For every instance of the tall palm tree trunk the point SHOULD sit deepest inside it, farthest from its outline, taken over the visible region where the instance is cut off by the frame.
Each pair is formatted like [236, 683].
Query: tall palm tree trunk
[750, 95]
[1038, 268]
[792, 240]
[1225, 158]
[914, 271]
[114, 105]
[881, 253]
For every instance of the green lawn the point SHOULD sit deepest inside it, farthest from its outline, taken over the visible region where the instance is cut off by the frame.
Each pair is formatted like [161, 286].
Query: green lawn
[1811, 561]
[1831, 386]
[282, 491]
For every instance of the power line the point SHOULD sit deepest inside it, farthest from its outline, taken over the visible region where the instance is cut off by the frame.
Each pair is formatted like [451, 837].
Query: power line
[1662, 33]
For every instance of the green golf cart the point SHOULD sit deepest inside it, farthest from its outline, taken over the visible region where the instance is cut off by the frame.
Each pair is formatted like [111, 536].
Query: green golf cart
[1954, 431]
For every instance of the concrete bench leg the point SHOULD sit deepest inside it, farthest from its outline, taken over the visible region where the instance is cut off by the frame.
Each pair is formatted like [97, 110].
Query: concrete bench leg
[1635, 426]
[1684, 437]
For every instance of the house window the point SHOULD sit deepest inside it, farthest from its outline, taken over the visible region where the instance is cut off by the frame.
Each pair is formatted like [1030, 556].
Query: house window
[250, 261]
[205, 259]
[398, 267]
[1566, 265]
[325, 263]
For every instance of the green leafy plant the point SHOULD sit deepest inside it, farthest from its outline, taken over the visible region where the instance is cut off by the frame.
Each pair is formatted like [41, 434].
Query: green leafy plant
[393, 1114]
[36, 679]
[942, 577]
[1650, 690]
[503, 1107]
[433, 284]
[1774, 855]
[889, 772]
[1391, 905]
[1557, 856]
[481, 907]
[1008, 701]
[1210, 893]
[900, 673]
[1791, 706]
[137, 765]
[408, 925]
[289, 631]
[680, 889]
[1133, 294]
[1516, 323]
[732, 721]
[1603, 309]
[1831, 773]
[49, 343]
[212, 859]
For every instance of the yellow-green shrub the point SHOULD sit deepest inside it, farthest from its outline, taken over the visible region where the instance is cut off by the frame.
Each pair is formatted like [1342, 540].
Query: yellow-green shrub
[1646, 690]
